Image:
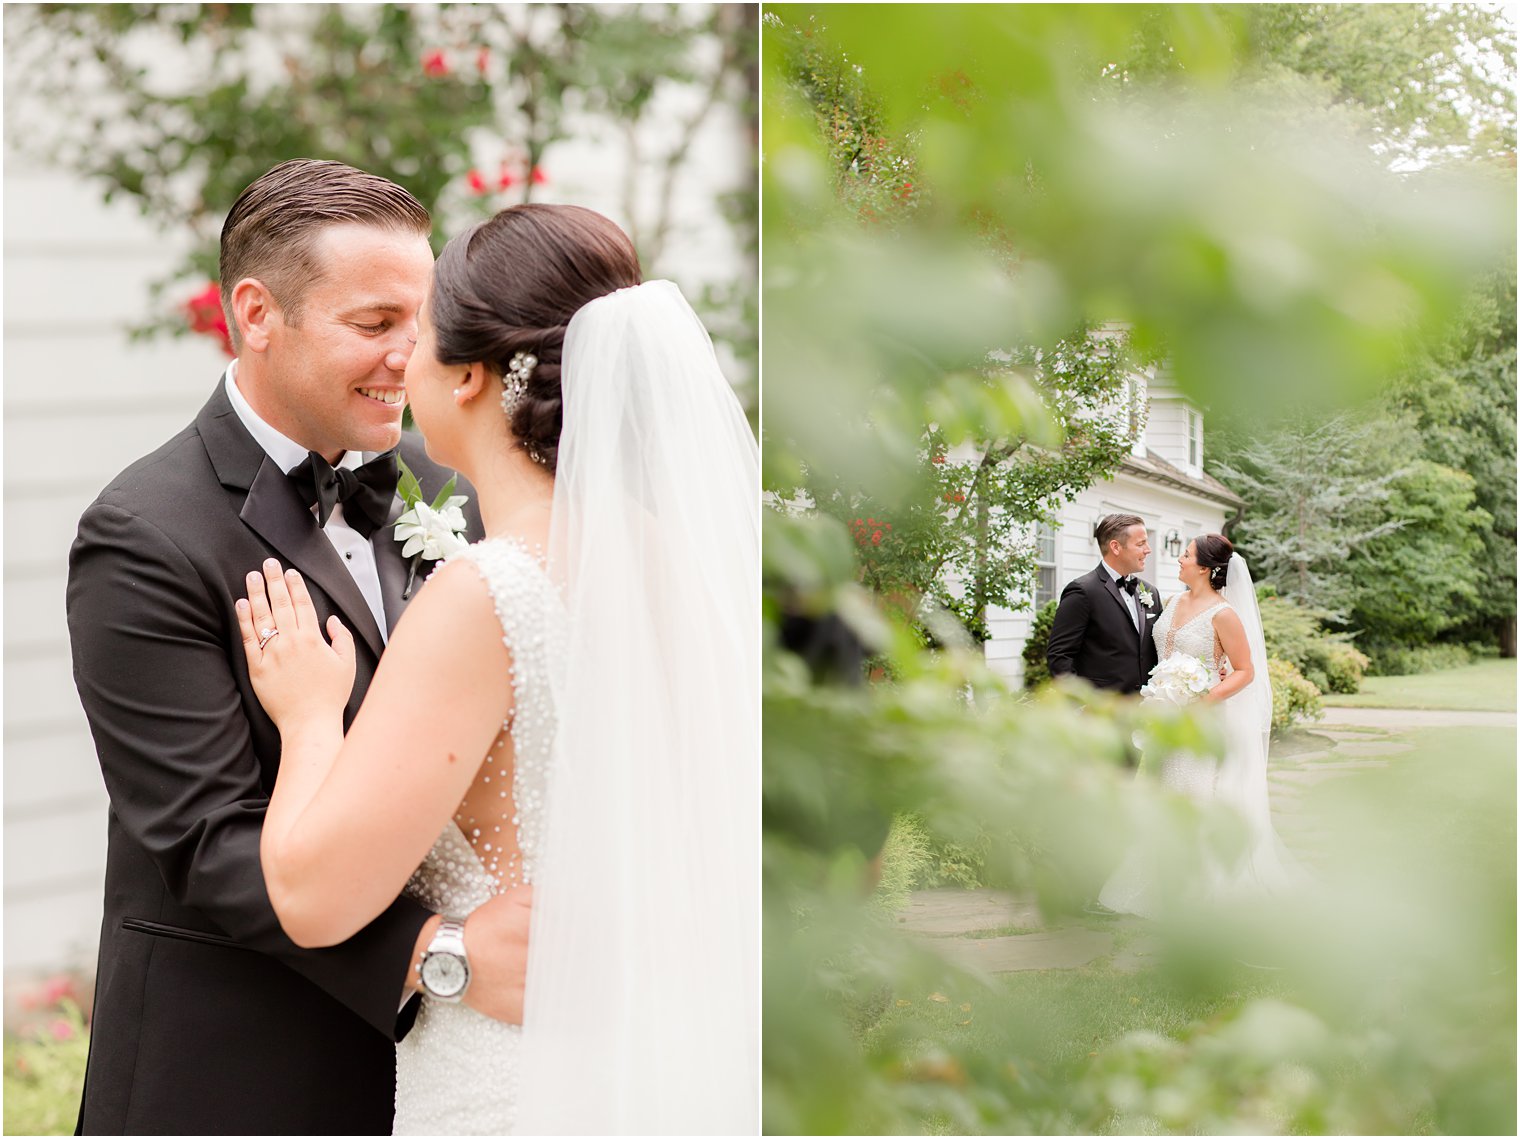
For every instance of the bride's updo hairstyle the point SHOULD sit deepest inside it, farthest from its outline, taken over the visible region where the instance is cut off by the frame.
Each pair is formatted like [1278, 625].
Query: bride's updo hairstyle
[1213, 552]
[511, 284]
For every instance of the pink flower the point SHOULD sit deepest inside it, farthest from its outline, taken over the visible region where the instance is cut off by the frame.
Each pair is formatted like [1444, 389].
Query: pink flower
[435, 65]
[477, 181]
[538, 176]
[483, 60]
[61, 1030]
[506, 179]
[56, 989]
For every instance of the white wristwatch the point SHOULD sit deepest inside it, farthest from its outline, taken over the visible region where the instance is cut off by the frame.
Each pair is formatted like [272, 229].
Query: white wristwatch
[445, 967]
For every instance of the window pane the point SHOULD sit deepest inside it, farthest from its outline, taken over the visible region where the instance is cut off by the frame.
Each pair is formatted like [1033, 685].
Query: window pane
[1045, 545]
[1045, 587]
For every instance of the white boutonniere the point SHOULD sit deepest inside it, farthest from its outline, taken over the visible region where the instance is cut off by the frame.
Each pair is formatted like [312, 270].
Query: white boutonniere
[1147, 598]
[430, 531]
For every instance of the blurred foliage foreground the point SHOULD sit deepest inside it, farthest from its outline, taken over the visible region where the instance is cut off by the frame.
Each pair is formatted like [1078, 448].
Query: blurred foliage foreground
[942, 183]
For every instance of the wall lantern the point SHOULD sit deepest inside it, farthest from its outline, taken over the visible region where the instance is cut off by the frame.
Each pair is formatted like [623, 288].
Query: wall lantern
[1173, 543]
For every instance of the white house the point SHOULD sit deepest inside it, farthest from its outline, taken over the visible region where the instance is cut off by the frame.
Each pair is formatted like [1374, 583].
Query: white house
[1162, 480]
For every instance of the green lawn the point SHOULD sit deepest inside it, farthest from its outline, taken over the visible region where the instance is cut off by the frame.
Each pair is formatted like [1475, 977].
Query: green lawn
[1488, 686]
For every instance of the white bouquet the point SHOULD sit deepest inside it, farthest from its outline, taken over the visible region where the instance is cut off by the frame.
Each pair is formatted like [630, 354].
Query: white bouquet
[1179, 679]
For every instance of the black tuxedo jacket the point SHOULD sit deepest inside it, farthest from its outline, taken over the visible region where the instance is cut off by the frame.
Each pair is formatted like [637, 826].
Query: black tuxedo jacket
[1094, 637]
[208, 1019]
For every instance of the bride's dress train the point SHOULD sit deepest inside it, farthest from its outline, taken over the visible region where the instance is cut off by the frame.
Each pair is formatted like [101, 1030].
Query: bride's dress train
[1238, 780]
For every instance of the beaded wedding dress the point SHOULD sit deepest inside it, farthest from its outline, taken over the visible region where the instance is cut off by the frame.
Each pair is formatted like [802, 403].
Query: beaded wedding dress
[1238, 780]
[456, 1071]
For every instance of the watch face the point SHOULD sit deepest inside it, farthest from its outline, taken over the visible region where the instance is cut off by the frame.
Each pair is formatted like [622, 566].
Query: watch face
[444, 974]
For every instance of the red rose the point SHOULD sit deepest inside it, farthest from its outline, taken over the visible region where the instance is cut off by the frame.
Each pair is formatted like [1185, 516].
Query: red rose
[477, 181]
[203, 312]
[876, 538]
[434, 64]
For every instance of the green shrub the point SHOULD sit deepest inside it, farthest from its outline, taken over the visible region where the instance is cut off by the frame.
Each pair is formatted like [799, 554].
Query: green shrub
[1294, 697]
[1036, 670]
[1297, 634]
[1407, 660]
[913, 859]
[905, 863]
[1344, 668]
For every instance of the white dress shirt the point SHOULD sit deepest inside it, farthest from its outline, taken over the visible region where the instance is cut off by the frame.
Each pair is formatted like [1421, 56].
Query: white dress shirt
[353, 547]
[1125, 595]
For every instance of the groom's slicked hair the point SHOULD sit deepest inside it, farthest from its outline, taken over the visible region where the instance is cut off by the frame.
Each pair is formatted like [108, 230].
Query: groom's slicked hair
[1113, 528]
[272, 229]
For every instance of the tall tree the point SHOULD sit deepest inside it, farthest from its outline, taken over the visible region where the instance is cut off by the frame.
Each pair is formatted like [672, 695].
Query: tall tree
[1316, 492]
[1462, 395]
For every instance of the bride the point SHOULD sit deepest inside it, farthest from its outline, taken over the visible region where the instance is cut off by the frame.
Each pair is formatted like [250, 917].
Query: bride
[570, 702]
[1216, 621]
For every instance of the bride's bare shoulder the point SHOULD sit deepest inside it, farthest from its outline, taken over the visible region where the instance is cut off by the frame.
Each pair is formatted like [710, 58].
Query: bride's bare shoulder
[1226, 619]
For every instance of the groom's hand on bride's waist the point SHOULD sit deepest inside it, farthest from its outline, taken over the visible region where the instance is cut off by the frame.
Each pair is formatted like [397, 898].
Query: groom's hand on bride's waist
[496, 942]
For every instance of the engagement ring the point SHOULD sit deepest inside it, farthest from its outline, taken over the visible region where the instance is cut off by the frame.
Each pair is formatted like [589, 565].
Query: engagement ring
[265, 636]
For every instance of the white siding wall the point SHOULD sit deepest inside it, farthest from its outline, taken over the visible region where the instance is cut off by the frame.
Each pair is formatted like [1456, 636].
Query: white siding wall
[1166, 430]
[80, 402]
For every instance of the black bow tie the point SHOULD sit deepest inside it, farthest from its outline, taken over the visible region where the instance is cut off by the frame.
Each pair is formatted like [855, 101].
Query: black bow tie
[1129, 583]
[365, 493]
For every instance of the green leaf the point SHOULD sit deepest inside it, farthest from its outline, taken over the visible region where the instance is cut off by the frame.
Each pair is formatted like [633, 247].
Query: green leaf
[448, 489]
[407, 485]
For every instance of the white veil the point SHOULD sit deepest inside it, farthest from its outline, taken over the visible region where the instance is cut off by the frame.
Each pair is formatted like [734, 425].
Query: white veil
[642, 1005]
[1242, 777]
[1253, 704]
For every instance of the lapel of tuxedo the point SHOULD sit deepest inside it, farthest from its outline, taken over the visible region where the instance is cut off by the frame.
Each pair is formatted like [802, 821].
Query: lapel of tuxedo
[1117, 594]
[391, 566]
[273, 509]
[1119, 599]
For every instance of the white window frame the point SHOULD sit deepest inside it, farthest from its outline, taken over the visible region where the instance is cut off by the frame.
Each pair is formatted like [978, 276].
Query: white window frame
[1043, 532]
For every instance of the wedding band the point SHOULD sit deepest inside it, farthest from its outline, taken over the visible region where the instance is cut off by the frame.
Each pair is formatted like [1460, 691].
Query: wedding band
[265, 636]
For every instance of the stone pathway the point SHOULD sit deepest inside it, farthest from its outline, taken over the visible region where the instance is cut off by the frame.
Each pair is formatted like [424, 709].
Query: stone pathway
[1396, 719]
[995, 932]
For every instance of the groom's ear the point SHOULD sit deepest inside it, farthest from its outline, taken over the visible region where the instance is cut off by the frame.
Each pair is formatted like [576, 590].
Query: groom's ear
[255, 310]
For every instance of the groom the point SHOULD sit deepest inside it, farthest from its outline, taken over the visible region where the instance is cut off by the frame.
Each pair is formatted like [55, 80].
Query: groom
[208, 1019]
[1102, 628]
